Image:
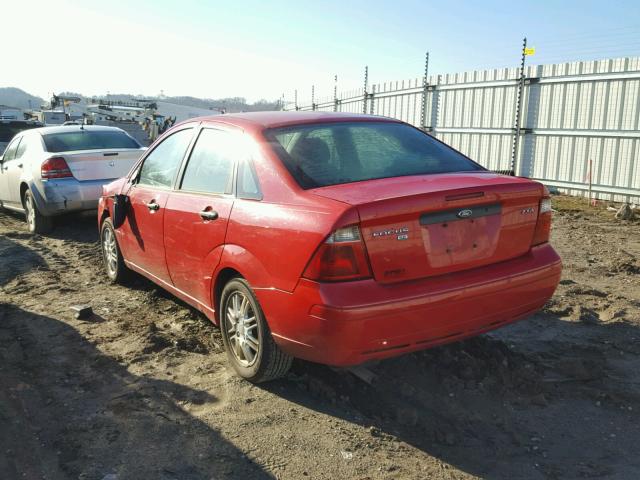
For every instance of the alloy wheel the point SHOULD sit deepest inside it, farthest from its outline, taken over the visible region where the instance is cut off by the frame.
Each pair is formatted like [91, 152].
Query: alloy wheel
[110, 250]
[242, 329]
[31, 212]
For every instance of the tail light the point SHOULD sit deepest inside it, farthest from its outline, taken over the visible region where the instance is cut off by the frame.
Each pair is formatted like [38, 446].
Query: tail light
[543, 225]
[340, 258]
[55, 167]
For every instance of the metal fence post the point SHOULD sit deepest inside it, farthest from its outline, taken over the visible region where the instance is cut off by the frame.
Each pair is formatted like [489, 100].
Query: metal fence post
[372, 102]
[517, 128]
[366, 86]
[335, 93]
[425, 83]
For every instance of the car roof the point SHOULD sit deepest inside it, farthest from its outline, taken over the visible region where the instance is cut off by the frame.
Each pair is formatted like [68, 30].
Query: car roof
[266, 120]
[72, 128]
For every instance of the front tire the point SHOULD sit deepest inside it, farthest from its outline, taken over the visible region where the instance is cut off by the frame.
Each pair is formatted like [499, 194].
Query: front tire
[36, 222]
[114, 265]
[246, 336]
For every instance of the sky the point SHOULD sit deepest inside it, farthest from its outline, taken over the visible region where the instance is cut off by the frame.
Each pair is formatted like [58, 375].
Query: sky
[266, 49]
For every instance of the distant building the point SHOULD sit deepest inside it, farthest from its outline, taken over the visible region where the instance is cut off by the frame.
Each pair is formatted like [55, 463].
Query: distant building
[182, 112]
[10, 113]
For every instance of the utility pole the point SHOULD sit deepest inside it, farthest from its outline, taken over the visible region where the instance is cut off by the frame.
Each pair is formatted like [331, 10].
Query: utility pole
[313, 96]
[517, 128]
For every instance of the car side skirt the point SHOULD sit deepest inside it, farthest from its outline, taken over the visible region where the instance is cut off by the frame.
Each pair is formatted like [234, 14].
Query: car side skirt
[208, 311]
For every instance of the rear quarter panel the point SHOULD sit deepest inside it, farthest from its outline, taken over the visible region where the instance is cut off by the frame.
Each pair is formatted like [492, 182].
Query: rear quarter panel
[270, 244]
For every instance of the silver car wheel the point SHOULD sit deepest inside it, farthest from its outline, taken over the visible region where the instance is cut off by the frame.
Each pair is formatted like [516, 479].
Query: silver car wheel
[31, 212]
[110, 250]
[242, 329]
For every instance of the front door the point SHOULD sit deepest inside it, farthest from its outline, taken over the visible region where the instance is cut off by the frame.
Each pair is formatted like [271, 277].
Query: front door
[198, 211]
[7, 168]
[141, 236]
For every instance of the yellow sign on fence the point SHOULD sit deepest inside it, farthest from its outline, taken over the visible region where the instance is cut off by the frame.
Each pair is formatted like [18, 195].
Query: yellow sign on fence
[530, 51]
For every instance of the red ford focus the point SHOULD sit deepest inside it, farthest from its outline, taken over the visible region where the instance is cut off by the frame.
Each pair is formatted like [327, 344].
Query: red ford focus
[335, 238]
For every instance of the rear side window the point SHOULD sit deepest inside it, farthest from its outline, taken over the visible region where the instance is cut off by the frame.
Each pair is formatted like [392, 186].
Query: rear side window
[161, 165]
[22, 148]
[248, 186]
[88, 140]
[210, 166]
[329, 154]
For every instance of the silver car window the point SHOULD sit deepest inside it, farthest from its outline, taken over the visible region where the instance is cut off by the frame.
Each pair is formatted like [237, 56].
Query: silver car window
[22, 147]
[10, 152]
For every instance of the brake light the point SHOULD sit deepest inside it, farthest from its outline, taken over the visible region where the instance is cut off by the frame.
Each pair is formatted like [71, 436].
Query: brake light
[340, 258]
[543, 225]
[55, 167]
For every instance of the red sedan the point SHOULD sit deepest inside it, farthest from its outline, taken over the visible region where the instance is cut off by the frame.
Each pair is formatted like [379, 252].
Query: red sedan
[334, 238]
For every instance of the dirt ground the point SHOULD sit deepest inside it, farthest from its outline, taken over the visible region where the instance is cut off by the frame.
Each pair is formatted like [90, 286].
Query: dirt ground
[142, 389]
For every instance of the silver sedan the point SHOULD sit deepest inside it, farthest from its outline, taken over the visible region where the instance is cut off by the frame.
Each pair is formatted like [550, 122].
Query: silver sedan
[50, 171]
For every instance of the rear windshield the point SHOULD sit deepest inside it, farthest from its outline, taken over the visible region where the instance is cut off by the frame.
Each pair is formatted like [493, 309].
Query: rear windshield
[87, 140]
[328, 154]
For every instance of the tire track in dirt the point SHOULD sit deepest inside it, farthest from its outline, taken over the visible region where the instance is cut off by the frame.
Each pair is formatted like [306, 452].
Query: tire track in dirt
[149, 394]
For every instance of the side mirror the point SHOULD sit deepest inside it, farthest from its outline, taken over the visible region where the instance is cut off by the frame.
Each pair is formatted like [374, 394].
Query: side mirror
[120, 209]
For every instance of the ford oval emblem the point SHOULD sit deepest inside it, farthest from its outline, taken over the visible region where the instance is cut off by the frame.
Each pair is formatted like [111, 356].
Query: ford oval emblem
[465, 213]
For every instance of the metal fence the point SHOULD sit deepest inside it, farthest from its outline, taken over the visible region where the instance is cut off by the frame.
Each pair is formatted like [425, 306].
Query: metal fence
[580, 121]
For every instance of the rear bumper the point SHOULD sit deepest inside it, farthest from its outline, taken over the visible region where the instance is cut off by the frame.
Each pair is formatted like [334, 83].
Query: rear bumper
[69, 195]
[352, 322]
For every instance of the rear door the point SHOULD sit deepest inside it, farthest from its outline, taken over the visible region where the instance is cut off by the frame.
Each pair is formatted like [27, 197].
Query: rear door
[142, 234]
[197, 212]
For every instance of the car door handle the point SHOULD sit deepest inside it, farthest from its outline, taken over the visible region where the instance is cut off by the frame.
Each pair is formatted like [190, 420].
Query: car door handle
[153, 206]
[209, 214]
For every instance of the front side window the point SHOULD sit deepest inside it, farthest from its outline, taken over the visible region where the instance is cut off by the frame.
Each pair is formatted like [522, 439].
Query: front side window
[329, 154]
[210, 166]
[88, 140]
[161, 165]
[10, 152]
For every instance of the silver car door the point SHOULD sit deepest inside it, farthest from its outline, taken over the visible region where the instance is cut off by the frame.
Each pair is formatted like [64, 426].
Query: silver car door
[5, 171]
[16, 167]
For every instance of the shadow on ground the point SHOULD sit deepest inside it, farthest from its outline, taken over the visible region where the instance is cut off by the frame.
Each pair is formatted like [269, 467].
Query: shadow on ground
[17, 259]
[92, 416]
[541, 399]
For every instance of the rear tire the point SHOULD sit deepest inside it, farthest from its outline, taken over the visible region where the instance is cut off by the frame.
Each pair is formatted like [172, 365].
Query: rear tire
[36, 222]
[246, 336]
[117, 271]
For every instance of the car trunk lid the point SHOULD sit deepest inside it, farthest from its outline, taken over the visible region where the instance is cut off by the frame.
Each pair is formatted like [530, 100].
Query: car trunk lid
[100, 164]
[421, 226]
